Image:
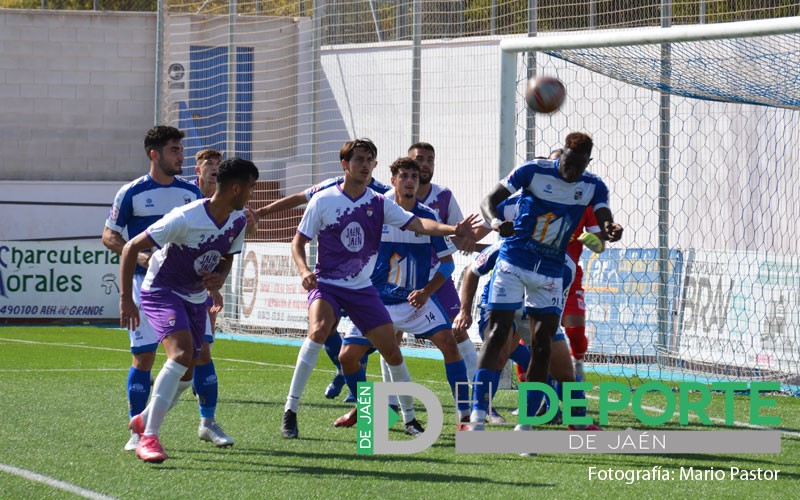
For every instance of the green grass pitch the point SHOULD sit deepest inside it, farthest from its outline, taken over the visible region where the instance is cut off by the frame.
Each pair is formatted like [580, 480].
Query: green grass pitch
[63, 419]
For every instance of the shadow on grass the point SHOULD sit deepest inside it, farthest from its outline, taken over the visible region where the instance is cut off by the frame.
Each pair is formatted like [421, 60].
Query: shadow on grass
[352, 465]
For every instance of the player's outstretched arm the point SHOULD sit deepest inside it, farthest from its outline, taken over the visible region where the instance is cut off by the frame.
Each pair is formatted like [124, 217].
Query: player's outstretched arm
[308, 278]
[609, 230]
[492, 214]
[285, 203]
[465, 229]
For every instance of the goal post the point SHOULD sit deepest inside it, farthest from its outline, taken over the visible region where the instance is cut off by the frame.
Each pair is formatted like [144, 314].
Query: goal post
[680, 106]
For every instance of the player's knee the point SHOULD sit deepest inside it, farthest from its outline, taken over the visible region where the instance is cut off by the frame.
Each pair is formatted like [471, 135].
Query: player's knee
[143, 361]
[350, 359]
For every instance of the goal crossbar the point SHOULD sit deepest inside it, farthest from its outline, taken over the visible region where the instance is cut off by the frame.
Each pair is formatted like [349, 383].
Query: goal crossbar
[597, 39]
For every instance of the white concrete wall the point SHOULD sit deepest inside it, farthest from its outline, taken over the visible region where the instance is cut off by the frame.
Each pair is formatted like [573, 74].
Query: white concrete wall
[76, 93]
[55, 210]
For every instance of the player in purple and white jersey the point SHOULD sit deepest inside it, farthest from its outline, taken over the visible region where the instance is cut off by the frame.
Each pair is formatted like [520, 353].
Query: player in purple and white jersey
[333, 344]
[402, 278]
[531, 263]
[136, 206]
[196, 244]
[347, 220]
[444, 203]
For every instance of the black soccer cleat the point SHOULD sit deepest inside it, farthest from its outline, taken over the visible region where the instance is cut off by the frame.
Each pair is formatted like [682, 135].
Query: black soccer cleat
[289, 425]
[414, 428]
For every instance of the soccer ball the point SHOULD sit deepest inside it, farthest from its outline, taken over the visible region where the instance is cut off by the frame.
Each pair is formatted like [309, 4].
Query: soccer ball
[545, 94]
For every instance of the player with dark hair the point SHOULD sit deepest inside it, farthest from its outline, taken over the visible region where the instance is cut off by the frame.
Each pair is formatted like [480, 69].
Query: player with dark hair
[333, 343]
[402, 278]
[347, 221]
[196, 244]
[530, 266]
[442, 200]
[136, 206]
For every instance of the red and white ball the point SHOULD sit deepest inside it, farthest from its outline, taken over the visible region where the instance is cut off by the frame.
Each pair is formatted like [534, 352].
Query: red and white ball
[545, 94]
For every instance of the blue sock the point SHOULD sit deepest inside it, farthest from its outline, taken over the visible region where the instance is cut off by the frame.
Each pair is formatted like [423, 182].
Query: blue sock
[353, 379]
[496, 382]
[138, 391]
[481, 389]
[521, 356]
[552, 383]
[365, 362]
[457, 372]
[534, 402]
[207, 388]
[332, 347]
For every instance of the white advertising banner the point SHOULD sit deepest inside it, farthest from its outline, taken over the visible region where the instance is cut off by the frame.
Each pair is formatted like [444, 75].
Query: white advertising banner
[58, 279]
[741, 309]
[269, 293]
[269, 289]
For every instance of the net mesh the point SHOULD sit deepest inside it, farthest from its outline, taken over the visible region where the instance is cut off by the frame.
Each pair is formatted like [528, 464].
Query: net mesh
[285, 85]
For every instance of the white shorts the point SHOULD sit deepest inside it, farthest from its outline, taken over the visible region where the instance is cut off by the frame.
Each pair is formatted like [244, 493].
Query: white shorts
[145, 338]
[423, 322]
[513, 286]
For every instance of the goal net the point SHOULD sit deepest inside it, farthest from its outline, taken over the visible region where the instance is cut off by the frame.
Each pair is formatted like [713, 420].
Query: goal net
[696, 134]
[697, 141]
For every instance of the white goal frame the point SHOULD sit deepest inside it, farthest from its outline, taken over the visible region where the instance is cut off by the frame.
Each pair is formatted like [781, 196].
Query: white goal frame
[510, 103]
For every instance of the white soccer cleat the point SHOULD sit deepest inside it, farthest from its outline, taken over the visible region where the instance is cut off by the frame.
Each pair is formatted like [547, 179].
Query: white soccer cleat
[477, 426]
[214, 434]
[494, 418]
[523, 428]
[133, 442]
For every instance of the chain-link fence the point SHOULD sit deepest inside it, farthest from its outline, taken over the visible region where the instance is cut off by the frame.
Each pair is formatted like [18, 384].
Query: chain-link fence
[359, 21]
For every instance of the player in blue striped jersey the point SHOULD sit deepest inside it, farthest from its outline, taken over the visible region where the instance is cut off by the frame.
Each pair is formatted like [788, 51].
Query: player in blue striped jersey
[137, 205]
[531, 263]
[442, 200]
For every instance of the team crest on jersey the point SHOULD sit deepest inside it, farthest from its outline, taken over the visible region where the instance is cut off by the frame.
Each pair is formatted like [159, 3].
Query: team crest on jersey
[548, 189]
[114, 213]
[187, 199]
[149, 203]
[171, 321]
[370, 210]
[578, 194]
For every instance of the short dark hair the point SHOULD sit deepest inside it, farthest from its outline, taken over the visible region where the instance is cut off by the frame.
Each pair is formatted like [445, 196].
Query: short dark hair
[579, 143]
[404, 162]
[235, 170]
[422, 145]
[207, 154]
[158, 137]
[346, 153]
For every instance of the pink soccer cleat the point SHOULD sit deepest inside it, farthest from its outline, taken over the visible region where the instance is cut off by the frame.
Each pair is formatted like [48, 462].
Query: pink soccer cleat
[136, 424]
[150, 450]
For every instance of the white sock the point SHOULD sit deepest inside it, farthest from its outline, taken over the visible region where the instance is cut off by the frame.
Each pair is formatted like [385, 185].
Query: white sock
[182, 386]
[478, 416]
[306, 361]
[470, 356]
[163, 393]
[399, 373]
[387, 377]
